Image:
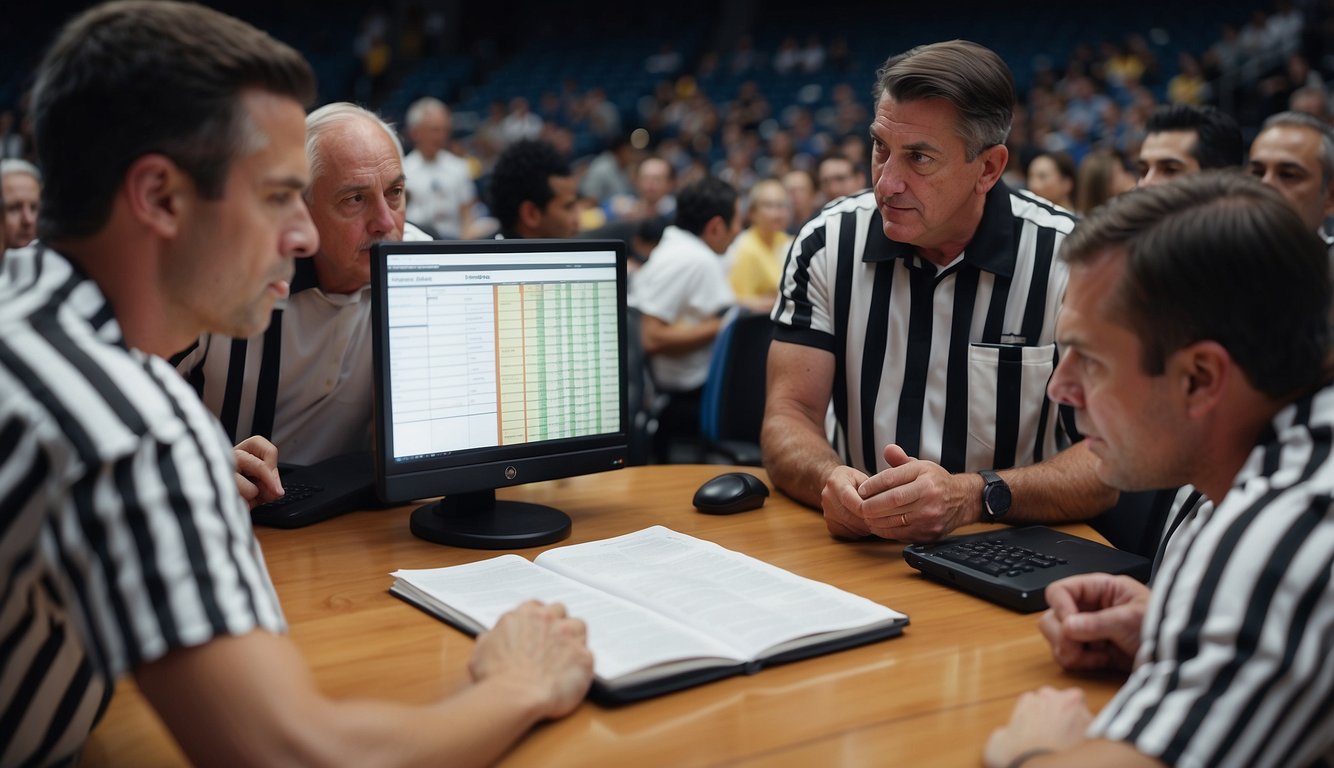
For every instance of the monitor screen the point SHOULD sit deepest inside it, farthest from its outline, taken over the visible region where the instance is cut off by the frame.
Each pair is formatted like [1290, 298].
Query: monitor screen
[497, 362]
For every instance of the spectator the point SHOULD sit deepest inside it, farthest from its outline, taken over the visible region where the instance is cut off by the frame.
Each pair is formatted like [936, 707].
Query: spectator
[682, 293]
[21, 193]
[839, 177]
[1182, 139]
[1051, 176]
[533, 192]
[759, 250]
[608, 174]
[1102, 176]
[1294, 154]
[801, 195]
[440, 189]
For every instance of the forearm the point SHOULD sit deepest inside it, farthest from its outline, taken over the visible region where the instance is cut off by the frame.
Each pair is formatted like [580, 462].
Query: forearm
[679, 338]
[473, 727]
[1061, 489]
[251, 700]
[797, 455]
[1097, 753]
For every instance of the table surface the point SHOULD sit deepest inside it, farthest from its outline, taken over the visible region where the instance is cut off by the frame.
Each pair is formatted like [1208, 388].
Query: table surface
[929, 697]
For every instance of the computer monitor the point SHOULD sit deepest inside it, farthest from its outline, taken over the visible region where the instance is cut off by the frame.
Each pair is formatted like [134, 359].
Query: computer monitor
[497, 363]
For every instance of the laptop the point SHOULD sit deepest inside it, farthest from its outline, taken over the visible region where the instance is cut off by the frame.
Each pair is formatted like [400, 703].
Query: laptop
[320, 491]
[1013, 566]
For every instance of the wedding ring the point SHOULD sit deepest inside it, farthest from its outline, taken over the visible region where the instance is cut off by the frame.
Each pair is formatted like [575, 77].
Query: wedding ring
[904, 518]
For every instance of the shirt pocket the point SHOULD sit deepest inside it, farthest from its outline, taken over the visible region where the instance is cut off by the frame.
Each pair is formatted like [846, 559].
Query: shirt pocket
[1007, 397]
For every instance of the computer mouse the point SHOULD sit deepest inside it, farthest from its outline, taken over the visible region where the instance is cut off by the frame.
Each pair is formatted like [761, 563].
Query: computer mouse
[730, 493]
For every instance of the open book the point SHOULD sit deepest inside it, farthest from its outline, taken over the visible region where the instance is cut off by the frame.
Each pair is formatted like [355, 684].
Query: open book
[664, 610]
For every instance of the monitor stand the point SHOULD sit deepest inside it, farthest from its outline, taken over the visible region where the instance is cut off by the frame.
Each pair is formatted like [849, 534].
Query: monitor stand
[479, 521]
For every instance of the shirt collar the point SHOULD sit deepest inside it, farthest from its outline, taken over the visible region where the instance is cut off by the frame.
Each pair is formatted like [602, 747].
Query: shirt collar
[991, 249]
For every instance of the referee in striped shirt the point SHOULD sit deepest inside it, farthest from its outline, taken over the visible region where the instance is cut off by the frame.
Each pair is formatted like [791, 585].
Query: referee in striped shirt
[1197, 350]
[915, 326]
[125, 544]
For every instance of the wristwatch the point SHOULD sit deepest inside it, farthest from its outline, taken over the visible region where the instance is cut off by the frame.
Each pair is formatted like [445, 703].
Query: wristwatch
[995, 496]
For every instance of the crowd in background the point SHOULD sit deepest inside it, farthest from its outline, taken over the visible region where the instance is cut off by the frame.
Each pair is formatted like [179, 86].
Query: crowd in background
[1075, 135]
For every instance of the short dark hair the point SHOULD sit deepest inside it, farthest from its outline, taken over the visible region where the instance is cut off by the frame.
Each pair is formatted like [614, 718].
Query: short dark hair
[969, 76]
[523, 172]
[1218, 256]
[131, 78]
[1218, 142]
[699, 202]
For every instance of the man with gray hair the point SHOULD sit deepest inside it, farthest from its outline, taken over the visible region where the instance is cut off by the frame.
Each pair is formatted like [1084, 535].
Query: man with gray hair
[21, 191]
[306, 383]
[1294, 154]
[440, 187]
[917, 320]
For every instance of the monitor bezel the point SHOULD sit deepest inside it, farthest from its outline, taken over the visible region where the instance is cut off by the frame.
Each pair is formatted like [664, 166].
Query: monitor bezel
[493, 467]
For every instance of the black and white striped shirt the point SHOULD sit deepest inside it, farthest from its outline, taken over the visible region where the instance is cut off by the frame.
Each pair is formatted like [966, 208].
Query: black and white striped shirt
[952, 364]
[1236, 662]
[122, 535]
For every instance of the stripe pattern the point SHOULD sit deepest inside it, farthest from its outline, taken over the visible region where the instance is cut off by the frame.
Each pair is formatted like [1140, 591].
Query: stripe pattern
[1235, 666]
[952, 364]
[122, 535]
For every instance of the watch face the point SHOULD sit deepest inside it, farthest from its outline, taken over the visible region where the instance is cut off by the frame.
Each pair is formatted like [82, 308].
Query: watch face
[998, 499]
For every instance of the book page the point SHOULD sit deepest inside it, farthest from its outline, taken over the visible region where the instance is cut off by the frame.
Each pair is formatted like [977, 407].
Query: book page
[622, 636]
[743, 602]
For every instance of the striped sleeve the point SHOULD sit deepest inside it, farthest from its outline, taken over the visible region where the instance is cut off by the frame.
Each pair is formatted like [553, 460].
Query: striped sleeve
[1235, 668]
[123, 533]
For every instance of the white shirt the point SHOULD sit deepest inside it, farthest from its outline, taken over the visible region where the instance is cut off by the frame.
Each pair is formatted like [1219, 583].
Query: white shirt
[683, 281]
[437, 191]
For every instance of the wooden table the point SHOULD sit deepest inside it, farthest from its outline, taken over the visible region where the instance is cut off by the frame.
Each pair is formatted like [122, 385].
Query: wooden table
[930, 697]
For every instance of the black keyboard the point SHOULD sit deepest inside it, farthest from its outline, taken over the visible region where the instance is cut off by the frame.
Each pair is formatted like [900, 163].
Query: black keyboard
[998, 559]
[294, 492]
[320, 491]
[1013, 566]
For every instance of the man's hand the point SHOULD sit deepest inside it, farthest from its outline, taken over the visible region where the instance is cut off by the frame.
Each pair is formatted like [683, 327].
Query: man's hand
[916, 500]
[257, 471]
[842, 503]
[539, 649]
[1093, 621]
[1045, 719]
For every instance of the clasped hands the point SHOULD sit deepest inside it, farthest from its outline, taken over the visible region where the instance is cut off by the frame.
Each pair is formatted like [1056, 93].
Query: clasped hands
[913, 500]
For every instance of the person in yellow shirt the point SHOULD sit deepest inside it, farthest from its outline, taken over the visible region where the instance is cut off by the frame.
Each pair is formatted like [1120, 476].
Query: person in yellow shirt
[760, 250]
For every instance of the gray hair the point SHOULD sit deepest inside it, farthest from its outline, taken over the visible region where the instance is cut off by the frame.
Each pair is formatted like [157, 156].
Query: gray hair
[19, 166]
[338, 113]
[969, 76]
[417, 111]
[1304, 120]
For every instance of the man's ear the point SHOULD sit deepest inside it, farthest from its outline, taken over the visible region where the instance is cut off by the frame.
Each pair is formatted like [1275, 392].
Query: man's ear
[154, 188]
[530, 215]
[993, 161]
[1202, 369]
[1328, 210]
[715, 226]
